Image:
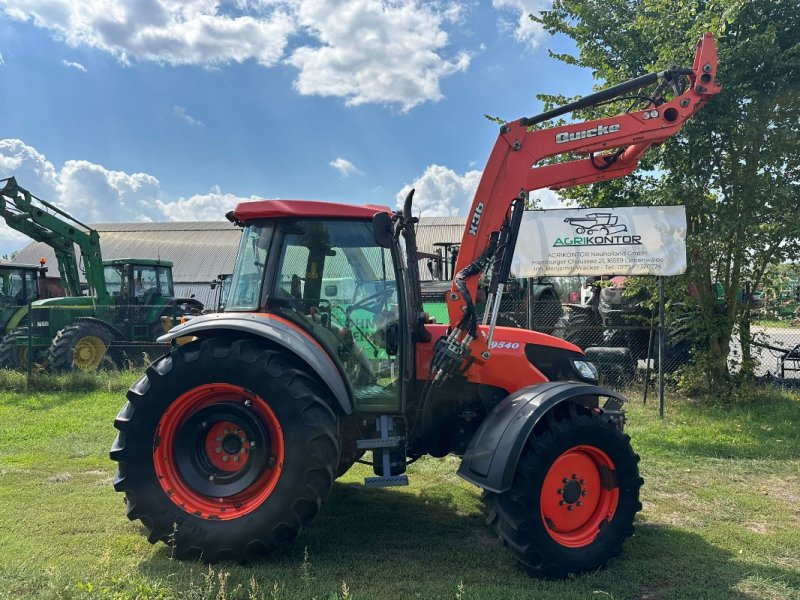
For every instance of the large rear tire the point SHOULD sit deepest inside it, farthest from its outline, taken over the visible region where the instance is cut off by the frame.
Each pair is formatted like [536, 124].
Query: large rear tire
[82, 346]
[574, 497]
[226, 449]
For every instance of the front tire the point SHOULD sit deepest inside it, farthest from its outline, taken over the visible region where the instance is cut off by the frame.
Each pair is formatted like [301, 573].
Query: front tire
[574, 497]
[219, 399]
[83, 346]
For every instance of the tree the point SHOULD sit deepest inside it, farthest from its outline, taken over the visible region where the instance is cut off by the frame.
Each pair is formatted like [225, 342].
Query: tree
[736, 164]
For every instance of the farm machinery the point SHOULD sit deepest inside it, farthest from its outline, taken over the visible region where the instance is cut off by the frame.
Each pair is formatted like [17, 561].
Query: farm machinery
[126, 297]
[229, 444]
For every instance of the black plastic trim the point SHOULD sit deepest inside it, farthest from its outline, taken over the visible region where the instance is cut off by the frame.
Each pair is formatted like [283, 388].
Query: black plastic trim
[491, 457]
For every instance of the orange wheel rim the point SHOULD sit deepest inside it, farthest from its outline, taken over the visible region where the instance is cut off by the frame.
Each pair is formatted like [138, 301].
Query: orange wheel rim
[218, 451]
[579, 496]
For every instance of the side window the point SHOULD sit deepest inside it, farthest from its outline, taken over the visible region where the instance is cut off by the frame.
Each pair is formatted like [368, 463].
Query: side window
[17, 287]
[113, 277]
[295, 270]
[144, 281]
[31, 286]
[165, 282]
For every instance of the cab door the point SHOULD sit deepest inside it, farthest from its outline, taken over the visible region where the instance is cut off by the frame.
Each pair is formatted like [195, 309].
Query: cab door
[333, 276]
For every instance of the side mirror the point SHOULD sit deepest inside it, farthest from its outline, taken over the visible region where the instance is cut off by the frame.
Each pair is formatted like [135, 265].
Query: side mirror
[382, 229]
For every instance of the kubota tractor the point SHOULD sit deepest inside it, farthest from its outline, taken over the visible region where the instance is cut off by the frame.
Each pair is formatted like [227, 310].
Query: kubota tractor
[229, 444]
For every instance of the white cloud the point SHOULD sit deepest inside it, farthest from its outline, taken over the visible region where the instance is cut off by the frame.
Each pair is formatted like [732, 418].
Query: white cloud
[383, 52]
[441, 192]
[525, 30]
[180, 112]
[345, 167]
[547, 199]
[174, 32]
[94, 194]
[201, 207]
[73, 65]
[1, 59]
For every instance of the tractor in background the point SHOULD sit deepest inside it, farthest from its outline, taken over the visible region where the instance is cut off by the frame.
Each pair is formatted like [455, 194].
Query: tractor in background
[119, 318]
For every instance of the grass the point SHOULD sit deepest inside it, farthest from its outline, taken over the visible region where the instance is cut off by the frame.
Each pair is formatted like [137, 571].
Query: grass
[721, 517]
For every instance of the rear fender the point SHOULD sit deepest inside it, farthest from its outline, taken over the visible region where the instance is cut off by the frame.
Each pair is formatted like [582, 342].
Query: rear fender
[491, 457]
[276, 330]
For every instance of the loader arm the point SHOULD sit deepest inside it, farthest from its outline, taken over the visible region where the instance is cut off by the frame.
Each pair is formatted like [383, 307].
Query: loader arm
[43, 222]
[613, 147]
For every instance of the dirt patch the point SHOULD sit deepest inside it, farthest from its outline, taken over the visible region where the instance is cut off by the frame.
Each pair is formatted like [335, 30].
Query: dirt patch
[60, 478]
[757, 527]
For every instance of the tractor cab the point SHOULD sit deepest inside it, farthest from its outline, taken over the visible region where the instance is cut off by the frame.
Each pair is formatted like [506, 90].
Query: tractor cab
[19, 286]
[327, 276]
[138, 281]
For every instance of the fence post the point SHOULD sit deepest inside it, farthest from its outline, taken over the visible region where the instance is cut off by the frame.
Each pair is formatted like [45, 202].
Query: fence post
[661, 347]
[30, 348]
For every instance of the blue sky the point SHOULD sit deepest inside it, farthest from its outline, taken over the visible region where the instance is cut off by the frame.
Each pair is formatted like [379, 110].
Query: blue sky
[177, 109]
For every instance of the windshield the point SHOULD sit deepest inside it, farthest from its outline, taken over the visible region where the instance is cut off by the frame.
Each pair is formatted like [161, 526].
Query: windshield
[248, 274]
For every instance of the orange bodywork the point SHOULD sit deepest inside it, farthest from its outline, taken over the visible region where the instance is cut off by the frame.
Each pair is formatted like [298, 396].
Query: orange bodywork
[508, 369]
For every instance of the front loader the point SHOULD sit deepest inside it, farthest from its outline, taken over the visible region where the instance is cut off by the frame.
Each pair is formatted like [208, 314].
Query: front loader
[229, 444]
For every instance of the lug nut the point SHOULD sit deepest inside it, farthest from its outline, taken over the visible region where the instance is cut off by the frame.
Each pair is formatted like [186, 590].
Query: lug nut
[243, 450]
[583, 492]
[570, 507]
[236, 458]
[225, 458]
[574, 476]
[559, 491]
[219, 438]
[582, 481]
[564, 480]
[580, 503]
[217, 450]
[562, 502]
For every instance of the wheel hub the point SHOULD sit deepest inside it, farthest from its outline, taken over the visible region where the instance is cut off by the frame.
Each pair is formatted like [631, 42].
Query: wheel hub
[572, 492]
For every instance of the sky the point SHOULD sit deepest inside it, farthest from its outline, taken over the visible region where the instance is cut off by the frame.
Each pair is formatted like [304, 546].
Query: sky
[157, 110]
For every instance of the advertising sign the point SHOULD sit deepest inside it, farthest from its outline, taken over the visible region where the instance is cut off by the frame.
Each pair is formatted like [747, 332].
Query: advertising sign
[639, 240]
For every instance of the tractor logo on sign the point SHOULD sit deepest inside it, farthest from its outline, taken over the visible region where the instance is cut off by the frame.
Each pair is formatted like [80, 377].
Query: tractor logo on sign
[597, 223]
[598, 229]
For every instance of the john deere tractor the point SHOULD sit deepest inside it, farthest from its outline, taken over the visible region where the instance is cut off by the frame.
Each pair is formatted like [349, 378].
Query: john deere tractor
[124, 302]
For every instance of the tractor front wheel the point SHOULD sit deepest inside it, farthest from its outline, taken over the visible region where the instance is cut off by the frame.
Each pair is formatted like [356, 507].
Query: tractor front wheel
[83, 346]
[13, 355]
[574, 497]
[226, 449]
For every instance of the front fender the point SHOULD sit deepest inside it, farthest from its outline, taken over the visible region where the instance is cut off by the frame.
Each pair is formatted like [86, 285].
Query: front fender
[491, 457]
[277, 330]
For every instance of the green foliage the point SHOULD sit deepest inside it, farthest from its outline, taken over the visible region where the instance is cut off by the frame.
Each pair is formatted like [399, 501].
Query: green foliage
[735, 165]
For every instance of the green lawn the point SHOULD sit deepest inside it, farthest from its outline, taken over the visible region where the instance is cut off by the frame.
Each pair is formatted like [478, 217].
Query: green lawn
[721, 518]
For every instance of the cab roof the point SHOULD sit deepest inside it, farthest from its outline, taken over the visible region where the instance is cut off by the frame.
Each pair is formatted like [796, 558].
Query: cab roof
[286, 209]
[25, 266]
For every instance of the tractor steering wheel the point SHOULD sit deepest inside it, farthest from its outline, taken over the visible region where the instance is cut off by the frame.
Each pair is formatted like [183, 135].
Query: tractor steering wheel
[372, 303]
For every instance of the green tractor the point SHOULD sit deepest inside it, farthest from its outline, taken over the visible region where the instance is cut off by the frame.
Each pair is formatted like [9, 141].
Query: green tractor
[120, 318]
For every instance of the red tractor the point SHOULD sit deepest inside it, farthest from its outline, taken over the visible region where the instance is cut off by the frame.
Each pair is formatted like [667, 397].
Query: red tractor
[229, 444]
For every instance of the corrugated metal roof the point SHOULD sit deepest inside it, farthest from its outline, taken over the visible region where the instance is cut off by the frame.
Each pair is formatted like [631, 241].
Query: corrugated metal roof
[202, 250]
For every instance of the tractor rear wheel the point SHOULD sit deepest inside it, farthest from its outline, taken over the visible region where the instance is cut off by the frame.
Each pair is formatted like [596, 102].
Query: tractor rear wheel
[574, 497]
[82, 346]
[226, 449]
